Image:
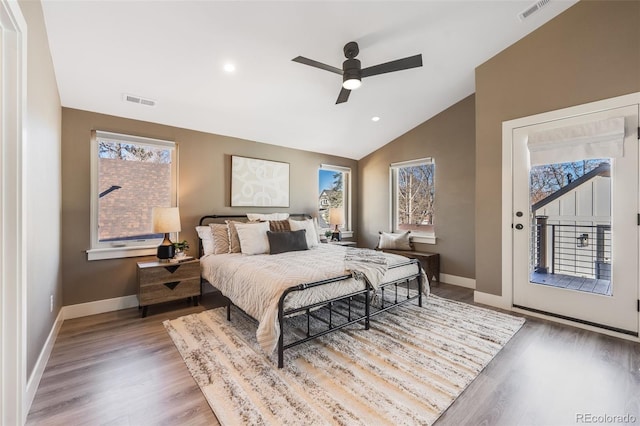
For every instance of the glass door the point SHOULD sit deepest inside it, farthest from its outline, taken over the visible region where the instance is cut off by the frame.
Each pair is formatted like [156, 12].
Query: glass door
[575, 227]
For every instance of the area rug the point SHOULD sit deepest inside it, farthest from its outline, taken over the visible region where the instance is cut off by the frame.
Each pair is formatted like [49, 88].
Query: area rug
[407, 369]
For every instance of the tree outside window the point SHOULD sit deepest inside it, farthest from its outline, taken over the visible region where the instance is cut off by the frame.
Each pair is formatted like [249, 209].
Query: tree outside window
[413, 187]
[332, 193]
[546, 179]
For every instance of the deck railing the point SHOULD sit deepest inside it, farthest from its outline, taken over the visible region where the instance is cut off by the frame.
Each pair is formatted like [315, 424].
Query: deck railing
[579, 250]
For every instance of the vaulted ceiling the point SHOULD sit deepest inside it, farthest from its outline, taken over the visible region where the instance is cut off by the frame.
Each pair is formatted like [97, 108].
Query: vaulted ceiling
[175, 52]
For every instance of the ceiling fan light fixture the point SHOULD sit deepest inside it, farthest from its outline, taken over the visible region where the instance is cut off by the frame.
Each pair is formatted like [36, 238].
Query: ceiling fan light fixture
[351, 75]
[352, 83]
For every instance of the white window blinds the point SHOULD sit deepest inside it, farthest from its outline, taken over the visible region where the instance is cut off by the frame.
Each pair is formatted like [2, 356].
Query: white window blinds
[597, 139]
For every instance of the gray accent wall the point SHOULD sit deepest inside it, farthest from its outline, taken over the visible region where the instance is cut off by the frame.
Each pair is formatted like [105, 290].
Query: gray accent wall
[42, 186]
[588, 53]
[204, 170]
[449, 138]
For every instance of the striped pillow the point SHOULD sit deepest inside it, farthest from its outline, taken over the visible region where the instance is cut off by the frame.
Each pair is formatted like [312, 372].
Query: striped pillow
[234, 240]
[220, 234]
[279, 226]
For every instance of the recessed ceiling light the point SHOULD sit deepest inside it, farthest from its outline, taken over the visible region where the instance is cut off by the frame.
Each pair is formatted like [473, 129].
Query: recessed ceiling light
[229, 67]
[375, 119]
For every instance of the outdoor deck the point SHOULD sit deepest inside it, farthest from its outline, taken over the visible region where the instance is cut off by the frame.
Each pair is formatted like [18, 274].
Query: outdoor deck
[588, 285]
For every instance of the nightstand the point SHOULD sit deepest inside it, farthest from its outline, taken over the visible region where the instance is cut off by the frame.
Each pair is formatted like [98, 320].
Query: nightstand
[163, 282]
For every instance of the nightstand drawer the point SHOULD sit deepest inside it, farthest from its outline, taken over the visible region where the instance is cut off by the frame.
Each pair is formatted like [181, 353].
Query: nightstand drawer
[169, 290]
[169, 272]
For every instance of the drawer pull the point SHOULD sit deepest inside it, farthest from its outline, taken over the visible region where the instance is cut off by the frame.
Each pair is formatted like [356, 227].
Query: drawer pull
[172, 268]
[172, 285]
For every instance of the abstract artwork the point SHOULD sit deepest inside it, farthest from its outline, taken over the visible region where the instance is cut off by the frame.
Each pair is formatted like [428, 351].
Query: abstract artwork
[259, 183]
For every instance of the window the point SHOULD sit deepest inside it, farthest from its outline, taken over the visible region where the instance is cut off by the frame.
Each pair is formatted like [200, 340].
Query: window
[130, 176]
[413, 197]
[334, 187]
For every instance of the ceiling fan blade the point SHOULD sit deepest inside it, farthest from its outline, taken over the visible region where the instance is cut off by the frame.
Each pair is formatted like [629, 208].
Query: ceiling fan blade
[343, 96]
[312, 63]
[397, 65]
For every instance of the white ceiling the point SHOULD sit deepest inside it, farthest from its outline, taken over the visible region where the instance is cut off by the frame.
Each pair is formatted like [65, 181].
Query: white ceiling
[174, 51]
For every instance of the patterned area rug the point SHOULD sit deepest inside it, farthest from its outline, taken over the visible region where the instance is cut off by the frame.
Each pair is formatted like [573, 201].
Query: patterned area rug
[407, 369]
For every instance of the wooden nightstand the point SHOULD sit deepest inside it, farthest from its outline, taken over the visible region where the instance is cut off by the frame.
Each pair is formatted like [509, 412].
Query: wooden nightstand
[163, 282]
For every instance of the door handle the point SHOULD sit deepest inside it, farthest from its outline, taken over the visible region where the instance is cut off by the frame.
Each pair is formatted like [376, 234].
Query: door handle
[519, 226]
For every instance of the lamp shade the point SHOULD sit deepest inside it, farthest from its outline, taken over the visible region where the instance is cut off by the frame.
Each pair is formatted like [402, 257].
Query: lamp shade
[336, 216]
[166, 219]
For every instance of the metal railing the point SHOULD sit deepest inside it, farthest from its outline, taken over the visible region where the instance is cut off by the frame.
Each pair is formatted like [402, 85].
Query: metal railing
[578, 250]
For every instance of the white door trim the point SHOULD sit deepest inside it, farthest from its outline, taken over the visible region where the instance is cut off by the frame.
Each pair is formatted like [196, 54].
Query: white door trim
[13, 288]
[505, 300]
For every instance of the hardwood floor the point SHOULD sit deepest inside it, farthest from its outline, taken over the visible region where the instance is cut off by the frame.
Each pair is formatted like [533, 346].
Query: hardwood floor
[120, 369]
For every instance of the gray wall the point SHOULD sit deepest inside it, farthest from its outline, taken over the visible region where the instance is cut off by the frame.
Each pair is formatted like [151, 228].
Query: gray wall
[589, 52]
[448, 138]
[43, 186]
[204, 188]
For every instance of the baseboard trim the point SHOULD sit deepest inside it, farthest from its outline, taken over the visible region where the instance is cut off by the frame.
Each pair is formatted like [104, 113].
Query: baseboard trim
[491, 300]
[99, 306]
[38, 370]
[459, 281]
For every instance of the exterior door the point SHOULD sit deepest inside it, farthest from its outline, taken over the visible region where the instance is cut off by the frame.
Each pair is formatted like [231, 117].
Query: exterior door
[576, 246]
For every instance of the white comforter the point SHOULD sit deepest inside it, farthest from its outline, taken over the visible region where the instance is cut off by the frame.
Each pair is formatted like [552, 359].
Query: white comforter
[255, 283]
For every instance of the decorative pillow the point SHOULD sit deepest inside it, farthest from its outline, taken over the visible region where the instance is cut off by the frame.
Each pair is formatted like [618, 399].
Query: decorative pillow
[279, 226]
[204, 232]
[394, 241]
[284, 241]
[220, 233]
[234, 241]
[271, 216]
[307, 225]
[253, 237]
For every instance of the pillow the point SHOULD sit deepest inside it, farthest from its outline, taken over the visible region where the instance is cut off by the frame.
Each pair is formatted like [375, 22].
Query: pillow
[272, 216]
[204, 232]
[394, 241]
[309, 227]
[253, 237]
[220, 233]
[279, 226]
[284, 241]
[234, 241]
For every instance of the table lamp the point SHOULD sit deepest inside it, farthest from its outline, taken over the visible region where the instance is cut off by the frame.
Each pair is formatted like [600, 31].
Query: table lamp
[336, 217]
[166, 220]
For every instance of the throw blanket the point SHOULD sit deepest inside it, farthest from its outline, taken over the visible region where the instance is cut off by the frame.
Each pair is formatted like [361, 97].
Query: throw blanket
[366, 263]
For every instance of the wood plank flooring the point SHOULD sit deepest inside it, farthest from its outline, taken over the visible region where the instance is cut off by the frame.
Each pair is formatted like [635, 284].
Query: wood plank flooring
[119, 369]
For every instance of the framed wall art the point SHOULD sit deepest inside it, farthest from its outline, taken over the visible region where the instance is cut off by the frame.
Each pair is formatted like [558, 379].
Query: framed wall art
[259, 183]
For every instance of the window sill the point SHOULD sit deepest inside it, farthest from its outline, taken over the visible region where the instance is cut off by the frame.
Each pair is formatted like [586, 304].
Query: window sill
[120, 252]
[423, 239]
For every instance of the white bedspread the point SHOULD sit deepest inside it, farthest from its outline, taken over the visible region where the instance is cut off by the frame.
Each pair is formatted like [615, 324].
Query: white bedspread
[255, 283]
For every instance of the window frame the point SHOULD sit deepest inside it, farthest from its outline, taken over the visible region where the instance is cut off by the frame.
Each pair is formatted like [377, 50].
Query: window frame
[346, 229]
[122, 249]
[427, 237]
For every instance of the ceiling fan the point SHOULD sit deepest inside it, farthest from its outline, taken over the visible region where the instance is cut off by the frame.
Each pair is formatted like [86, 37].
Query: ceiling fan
[351, 72]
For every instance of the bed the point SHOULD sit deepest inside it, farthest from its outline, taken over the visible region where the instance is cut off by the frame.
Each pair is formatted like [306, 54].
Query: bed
[329, 286]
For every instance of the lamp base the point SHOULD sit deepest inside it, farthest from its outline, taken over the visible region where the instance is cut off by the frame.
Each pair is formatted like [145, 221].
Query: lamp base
[166, 250]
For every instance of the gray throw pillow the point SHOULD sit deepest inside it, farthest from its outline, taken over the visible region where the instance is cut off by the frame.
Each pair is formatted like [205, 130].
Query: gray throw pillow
[282, 242]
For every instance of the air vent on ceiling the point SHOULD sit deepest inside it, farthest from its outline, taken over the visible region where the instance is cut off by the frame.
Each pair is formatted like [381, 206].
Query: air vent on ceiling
[532, 9]
[138, 100]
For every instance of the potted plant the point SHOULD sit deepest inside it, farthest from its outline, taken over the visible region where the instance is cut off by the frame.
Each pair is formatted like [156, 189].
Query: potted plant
[181, 248]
